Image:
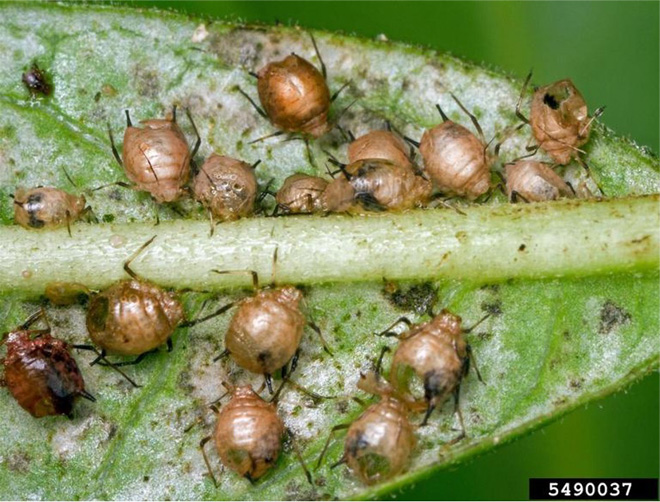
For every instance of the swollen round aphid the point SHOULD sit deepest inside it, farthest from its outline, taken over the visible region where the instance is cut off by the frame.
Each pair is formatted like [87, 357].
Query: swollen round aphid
[156, 157]
[455, 159]
[248, 434]
[301, 194]
[534, 181]
[36, 80]
[384, 145]
[47, 207]
[40, 372]
[295, 96]
[226, 187]
[377, 184]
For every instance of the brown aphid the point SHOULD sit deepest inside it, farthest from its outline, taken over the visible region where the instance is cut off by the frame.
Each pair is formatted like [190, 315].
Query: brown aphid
[430, 361]
[559, 120]
[66, 293]
[36, 80]
[385, 145]
[534, 181]
[378, 184]
[248, 434]
[295, 96]
[47, 207]
[40, 372]
[301, 194]
[134, 316]
[227, 187]
[156, 157]
[455, 159]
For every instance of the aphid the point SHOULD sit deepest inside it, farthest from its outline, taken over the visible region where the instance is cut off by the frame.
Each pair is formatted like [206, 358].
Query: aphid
[455, 159]
[40, 372]
[47, 207]
[134, 316]
[559, 119]
[226, 187]
[36, 80]
[295, 95]
[377, 184]
[430, 361]
[534, 181]
[385, 145]
[156, 157]
[300, 194]
[66, 293]
[265, 331]
[379, 443]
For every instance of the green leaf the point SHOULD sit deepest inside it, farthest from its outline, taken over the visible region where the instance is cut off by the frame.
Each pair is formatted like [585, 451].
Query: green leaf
[575, 309]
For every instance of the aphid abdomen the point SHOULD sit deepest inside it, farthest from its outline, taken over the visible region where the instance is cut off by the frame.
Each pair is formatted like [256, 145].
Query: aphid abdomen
[379, 443]
[132, 317]
[301, 193]
[157, 159]
[535, 182]
[248, 434]
[46, 207]
[41, 374]
[384, 145]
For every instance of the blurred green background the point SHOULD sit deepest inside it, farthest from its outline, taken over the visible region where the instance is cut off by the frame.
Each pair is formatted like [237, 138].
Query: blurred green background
[611, 51]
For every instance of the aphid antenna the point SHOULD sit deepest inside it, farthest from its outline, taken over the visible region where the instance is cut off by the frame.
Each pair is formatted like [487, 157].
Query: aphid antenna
[135, 254]
[100, 356]
[471, 360]
[597, 113]
[412, 141]
[387, 331]
[260, 110]
[520, 99]
[68, 177]
[296, 450]
[198, 141]
[113, 146]
[471, 328]
[345, 109]
[327, 443]
[252, 273]
[324, 71]
[202, 443]
[317, 330]
[338, 92]
[267, 136]
[216, 313]
[474, 120]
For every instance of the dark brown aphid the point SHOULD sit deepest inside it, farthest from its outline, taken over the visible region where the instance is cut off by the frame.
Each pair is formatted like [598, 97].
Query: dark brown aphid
[226, 187]
[156, 157]
[248, 434]
[377, 184]
[134, 316]
[40, 372]
[455, 159]
[534, 181]
[301, 194]
[36, 80]
[379, 443]
[385, 145]
[47, 207]
[430, 361]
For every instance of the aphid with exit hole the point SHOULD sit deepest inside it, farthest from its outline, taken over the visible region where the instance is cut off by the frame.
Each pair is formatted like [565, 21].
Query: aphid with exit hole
[156, 157]
[379, 442]
[534, 181]
[248, 435]
[47, 207]
[300, 194]
[430, 362]
[455, 159]
[40, 372]
[265, 332]
[36, 80]
[376, 184]
[294, 96]
[559, 119]
[227, 187]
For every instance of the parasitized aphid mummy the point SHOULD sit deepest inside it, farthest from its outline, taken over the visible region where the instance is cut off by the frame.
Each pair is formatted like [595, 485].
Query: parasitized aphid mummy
[430, 362]
[300, 194]
[265, 332]
[379, 443]
[534, 181]
[385, 145]
[156, 157]
[40, 372]
[248, 435]
[559, 120]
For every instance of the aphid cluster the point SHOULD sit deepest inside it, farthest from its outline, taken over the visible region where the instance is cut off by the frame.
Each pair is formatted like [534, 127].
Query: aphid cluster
[133, 317]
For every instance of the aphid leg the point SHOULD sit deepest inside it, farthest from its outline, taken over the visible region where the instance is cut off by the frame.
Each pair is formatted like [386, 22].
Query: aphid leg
[68, 177]
[296, 450]
[221, 310]
[68, 222]
[442, 113]
[588, 171]
[443, 202]
[198, 141]
[222, 355]
[459, 414]
[114, 148]
[87, 395]
[135, 361]
[471, 328]
[379, 363]
[597, 113]
[474, 120]
[470, 359]
[255, 276]
[89, 215]
[127, 263]
[510, 131]
[202, 443]
[344, 110]
[211, 224]
[515, 195]
[269, 382]
[116, 183]
[346, 133]
[334, 96]
[520, 98]
[387, 331]
[39, 314]
[317, 330]
[128, 119]
[213, 403]
[253, 74]
[267, 136]
[339, 462]
[429, 411]
[101, 357]
[327, 443]
[170, 345]
[260, 111]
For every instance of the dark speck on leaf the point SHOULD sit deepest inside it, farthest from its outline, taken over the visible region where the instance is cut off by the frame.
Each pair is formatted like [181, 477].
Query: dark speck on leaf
[419, 298]
[493, 308]
[611, 317]
[36, 80]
